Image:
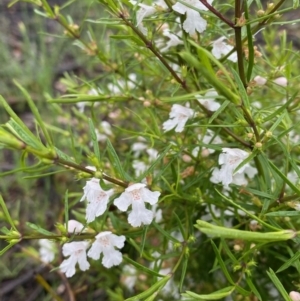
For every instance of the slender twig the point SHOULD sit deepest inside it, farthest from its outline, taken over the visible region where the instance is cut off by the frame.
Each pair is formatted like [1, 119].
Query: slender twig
[153, 49]
[217, 13]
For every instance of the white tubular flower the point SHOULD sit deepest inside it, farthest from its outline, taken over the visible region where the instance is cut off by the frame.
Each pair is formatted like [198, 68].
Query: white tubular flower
[229, 160]
[295, 296]
[47, 250]
[97, 199]
[193, 22]
[136, 195]
[174, 40]
[221, 48]
[75, 226]
[208, 100]
[179, 115]
[77, 252]
[105, 243]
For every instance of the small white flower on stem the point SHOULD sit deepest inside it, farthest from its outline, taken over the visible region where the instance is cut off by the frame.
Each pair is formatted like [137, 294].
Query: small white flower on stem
[179, 115]
[220, 48]
[47, 250]
[147, 11]
[97, 199]
[105, 243]
[193, 22]
[139, 167]
[229, 160]
[174, 40]
[77, 252]
[136, 195]
[208, 100]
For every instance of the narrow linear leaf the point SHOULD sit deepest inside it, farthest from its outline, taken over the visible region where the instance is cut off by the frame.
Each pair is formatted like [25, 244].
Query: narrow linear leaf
[278, 284]
[6, 213]
[289, 262]
[94, 139]
[222, 264]
[217, 295]
[115, 161]
[39, 229]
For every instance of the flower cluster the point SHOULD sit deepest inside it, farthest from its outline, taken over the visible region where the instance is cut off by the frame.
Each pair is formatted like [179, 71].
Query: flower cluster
[105, 243]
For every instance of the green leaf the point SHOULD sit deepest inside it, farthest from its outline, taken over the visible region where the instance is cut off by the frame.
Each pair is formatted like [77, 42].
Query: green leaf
[242, 90]
[128, 37]
[217, 295]
[39, 229]
[6, 248]
[154, 288]
[253, 288]
[24, 134]
[94, 140]
[283, 177]
[114, 160]
[164, 233]
[142, 268]
[63, 155]
[36, 114]
[283, 213]
[289, 262]
[224, 232]
[6, 213]
[278, 284]
[152, 166]
[222, 264]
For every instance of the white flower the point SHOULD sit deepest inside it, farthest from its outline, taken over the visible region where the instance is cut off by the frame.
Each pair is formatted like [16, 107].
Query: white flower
[193, 22]
[157, 213]
[153, 154]
[295, 296]
[220, 48]
[281, 81]
[75, 226]
[138, 148]
[146, 11]
[105, 131]
[47, 250]
[136, 195]
[174, 40]
[229, 160]
[129, 276]
[208, 100]
[179, 115]
[105, 243]
[77, 252]
[139, 167]
[97, 199]
[259, 80]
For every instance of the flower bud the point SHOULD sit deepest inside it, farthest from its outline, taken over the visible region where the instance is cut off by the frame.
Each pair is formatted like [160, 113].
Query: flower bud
[295, 296]
[259, 80]
[281, 81]
[260, 13]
